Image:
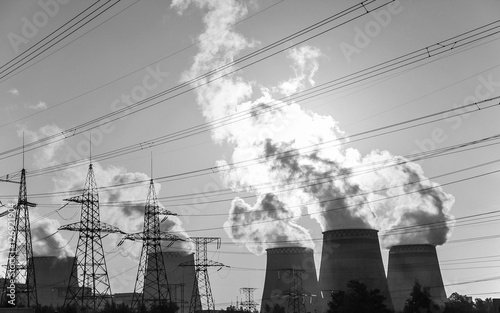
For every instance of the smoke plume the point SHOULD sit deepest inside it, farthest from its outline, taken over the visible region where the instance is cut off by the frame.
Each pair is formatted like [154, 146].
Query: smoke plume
[124, 205]
[47, 241]
[301, 159]
[268, 224]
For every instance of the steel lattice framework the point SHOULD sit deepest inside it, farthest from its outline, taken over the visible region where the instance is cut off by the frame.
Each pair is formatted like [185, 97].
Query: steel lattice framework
[20, 272]
[88, 286]
[296, 291]
[201, 287]
[248, 304]
[151, 286]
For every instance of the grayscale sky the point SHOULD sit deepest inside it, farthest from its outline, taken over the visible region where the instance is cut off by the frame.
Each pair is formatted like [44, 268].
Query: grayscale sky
[134, 79]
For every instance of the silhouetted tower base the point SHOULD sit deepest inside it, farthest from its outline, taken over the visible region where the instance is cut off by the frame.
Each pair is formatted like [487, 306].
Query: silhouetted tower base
[248, 304]
[202, 292]
[19, 287]
[151, 286]
[296, 291]
[88, 287]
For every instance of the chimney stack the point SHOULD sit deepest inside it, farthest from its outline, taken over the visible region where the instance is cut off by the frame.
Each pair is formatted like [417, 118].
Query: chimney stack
[351, 254]
[411, 263]
[180, 279]
[52, 275]
[279, 281]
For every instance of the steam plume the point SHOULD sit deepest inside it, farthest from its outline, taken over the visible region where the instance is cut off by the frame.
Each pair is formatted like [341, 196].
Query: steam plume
[305, 163]
[47, 241]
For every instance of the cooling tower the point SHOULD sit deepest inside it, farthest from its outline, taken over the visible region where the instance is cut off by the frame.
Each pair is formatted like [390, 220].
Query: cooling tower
[279, 280]
[351, 254]
[52, 275]
[180, 279]
[411, 263]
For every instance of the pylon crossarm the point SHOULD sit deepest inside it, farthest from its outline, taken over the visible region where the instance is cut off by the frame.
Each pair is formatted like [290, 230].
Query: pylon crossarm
[106, 228]
[166, 236]
[26, 203]
[73, 226]
[81, 199]
[102, 227]
[163, 211]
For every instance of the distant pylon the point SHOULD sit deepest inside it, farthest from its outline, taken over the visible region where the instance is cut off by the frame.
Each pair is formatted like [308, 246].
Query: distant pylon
[201, 288]
[296, 291]
[19, 288]
[88, 286]
[248, 304]
[176, 298]
[151, 286]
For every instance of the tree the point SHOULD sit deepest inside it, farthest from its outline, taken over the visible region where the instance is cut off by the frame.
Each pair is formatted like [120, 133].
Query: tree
[419, 301]
[483, 306]
[276, 309]
[458, 304]
[357, 299]
[116, 308]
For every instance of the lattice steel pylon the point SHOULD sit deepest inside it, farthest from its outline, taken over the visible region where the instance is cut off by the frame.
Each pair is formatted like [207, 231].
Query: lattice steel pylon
[248, 305]
[88, 286]
[296, 291]
[151, 286]
[201, 286]
[19, 288]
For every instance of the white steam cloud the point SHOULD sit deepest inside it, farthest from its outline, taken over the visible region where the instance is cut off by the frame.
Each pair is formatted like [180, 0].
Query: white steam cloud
[306, 164]
[47, 241]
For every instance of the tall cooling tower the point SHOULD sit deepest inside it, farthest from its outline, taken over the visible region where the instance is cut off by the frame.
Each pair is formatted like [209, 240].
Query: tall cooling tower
[180, 279]
[411, 263]
[52, 276]
[351, 254]
[279, 282]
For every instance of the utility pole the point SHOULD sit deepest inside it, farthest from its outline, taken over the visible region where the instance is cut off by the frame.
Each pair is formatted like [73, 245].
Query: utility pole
[248, 305]
[202, 292]
[151, 286]
[19, 288]
[88, 286]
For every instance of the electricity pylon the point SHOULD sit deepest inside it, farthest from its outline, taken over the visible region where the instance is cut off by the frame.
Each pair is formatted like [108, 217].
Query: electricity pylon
[296, 291]
[88, 286]
[248, 305]
[151, 286]
[201, 286]
[19, 288]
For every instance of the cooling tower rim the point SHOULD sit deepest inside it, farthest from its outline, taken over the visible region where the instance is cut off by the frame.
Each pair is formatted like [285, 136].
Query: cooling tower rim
[51, 257]
[291, 249]
[176, 253]
[412, 248]
[350, 233]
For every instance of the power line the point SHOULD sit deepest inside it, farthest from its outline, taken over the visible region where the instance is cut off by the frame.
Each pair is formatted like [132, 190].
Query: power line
[356, 170]
[302, 150]
[394, 64]
[26, 59]
[139, 69]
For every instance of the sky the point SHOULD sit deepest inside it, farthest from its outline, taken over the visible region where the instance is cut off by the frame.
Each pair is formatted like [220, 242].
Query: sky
[392, 108]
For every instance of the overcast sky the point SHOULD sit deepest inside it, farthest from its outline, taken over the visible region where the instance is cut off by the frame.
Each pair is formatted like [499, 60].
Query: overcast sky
[153, 56]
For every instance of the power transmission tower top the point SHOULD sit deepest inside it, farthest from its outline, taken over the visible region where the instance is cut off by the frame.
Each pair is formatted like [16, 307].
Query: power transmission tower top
[248, 305]
[19, 288]
[151, 286]
[88, 286]
[201, 288]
